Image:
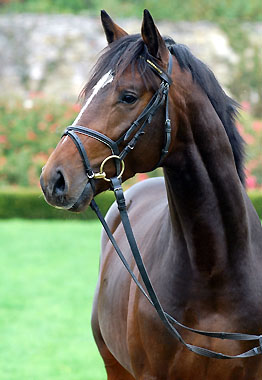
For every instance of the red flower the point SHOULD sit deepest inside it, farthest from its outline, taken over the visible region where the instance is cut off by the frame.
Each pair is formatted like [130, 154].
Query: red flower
[36, 94]
[53, 127]
[142, 176]
[2, 161]
[3, 139]
[246, 106]
[41, 126]
[240, 128]
[249, 139]
[76, 107]
[49, 117]
[257, 126]
[31, 135]
[251, 182]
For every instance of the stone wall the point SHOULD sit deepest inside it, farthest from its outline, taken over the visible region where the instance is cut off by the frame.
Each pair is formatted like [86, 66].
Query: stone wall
[53, 54]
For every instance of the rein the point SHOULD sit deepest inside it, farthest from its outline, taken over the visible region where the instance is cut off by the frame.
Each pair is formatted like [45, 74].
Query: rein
[160, 96]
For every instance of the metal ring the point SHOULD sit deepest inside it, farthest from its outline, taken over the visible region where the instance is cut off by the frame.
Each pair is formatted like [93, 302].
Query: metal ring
[109, 158]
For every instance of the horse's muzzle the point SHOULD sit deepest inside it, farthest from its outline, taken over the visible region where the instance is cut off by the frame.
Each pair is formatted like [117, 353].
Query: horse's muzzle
[57, 193]
[84, 200]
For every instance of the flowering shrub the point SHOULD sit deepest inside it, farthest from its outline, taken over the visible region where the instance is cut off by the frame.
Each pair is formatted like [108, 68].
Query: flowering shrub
[30, 130]
[251, 130]
[28, 133]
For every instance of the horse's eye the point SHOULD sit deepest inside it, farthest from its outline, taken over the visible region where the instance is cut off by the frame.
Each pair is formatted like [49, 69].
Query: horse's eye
[128, 98]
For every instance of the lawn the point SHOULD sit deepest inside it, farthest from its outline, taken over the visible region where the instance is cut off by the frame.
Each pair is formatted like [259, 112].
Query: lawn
[47, 280]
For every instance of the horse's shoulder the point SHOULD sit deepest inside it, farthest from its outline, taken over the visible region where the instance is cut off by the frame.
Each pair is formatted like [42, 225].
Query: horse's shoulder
[151, 187]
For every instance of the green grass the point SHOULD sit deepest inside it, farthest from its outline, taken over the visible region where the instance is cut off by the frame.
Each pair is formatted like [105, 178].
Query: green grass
[47, 280]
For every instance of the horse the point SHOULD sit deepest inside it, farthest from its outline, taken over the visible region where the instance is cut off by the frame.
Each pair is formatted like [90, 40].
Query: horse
[198, 233]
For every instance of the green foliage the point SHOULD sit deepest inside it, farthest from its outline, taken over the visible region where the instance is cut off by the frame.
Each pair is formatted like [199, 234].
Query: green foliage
[29, 131]
[191, 10]
[256, 199]
[251, 130]
[246, 79]
[48, 6]
[30, 204]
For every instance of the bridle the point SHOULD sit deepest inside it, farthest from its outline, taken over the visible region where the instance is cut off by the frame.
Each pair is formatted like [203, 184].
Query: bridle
[137, 129]
[160, 96]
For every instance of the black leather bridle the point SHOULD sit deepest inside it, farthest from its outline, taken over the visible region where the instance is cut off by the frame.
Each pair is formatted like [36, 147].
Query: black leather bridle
[159, 97]
[137, 129]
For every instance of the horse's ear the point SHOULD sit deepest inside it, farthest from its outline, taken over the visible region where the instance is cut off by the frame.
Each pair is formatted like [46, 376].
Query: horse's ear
[152, 38]
[112, 31]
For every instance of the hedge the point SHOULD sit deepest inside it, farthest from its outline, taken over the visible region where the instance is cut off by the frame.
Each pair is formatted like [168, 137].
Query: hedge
[191, 10]
[256, 198]
[30, 204]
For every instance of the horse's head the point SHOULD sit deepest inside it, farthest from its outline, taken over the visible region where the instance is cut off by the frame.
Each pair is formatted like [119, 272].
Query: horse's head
[128, 78]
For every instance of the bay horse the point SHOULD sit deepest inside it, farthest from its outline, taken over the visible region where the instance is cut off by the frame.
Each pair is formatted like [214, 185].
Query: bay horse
[198, 233]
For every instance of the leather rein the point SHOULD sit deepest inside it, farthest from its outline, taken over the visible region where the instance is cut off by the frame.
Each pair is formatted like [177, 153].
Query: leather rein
[160, 97]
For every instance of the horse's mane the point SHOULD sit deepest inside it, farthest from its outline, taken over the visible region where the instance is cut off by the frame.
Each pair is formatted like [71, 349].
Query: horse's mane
[129, 50]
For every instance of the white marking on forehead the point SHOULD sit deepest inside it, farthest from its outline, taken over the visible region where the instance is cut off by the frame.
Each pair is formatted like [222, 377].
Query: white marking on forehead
[106, 79]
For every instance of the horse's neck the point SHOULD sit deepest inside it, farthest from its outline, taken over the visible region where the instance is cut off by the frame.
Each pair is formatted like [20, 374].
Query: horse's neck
[206, 198]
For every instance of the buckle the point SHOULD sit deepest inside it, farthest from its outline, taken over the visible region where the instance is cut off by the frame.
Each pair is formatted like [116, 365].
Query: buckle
[90, 176]
[102, 174]
[168, 125]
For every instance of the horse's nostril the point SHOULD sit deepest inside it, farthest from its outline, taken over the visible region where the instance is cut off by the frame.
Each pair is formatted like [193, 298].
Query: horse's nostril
[59, 186]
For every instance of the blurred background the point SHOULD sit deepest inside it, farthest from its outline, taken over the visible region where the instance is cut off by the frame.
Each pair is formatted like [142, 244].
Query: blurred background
[47, 48]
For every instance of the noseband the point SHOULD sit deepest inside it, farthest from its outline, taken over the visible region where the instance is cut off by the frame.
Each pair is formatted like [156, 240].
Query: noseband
[159, 97]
